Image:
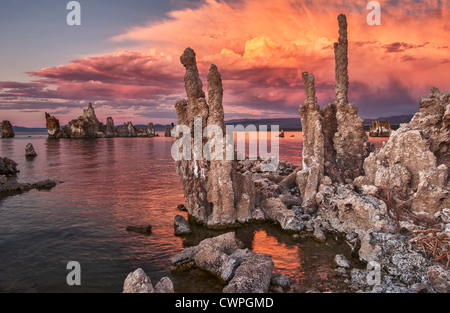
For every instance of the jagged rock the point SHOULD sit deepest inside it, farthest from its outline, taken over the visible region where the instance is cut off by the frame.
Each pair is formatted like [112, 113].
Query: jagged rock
[165, 285]
[8, 166]
[341, 261]
[150, 130]
[141, 229]
[211, 258]
[349, 212]
[275, 209]
[7, 130]
[415, 159]
[216, 194]
[279, 283]
[439, 278]
[53, 127]
[318, 234]
[110, 131]
[182, 226]
[169, 129]
[253, 275]
[290, 180]
[138, 282]
[218, 255]
[185, 259]
[86, 126]
[380, 129]
[230, 265]
[126, 130]
[433, 192]
[222, 256]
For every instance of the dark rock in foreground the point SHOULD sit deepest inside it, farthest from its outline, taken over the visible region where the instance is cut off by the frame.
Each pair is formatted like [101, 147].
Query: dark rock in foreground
[7, 186]
[181, 226]
[29, 151]
[141, 229]
[8, 166]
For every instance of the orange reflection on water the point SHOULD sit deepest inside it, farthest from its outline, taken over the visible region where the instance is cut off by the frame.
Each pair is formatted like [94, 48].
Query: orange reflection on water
[286, 257]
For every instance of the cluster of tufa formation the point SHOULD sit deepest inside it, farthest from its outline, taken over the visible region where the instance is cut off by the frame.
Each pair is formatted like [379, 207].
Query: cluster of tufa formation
[88, 126]
[413, 165]
[85, 126]
[7, 130]
[335, 143]
[216, 194]
[380, 129]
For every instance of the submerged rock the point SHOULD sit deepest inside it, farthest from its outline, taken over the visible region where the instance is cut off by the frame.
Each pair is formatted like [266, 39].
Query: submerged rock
[53, 127]
[380, 129]
[7, 130]
[29, 151]
[141, 229]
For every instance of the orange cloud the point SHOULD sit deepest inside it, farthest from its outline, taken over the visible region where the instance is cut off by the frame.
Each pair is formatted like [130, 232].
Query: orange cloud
[261, 48]
[411, 45]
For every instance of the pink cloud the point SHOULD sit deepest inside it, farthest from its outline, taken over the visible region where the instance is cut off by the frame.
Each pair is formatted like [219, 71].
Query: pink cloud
[261, 48]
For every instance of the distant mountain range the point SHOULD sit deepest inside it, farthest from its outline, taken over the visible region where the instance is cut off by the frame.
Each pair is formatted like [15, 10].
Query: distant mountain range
[284, 123]
[295, 123]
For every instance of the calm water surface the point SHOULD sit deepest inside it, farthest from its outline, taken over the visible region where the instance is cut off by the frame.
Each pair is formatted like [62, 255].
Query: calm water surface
[104, 186]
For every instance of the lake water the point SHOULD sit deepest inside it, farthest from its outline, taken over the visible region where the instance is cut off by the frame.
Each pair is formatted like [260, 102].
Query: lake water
[105, 185]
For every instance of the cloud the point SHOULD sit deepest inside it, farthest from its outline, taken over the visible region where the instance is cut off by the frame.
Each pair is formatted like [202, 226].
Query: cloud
[261, 47]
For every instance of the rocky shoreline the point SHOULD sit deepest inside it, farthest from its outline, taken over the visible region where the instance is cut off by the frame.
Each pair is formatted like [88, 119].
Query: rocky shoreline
[8, 169]
[391, 205]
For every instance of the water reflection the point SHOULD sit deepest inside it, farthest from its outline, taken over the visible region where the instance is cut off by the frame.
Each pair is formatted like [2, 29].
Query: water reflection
[107, 185]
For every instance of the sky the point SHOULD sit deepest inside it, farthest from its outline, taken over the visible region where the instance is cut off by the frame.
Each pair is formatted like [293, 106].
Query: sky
[124, 57]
